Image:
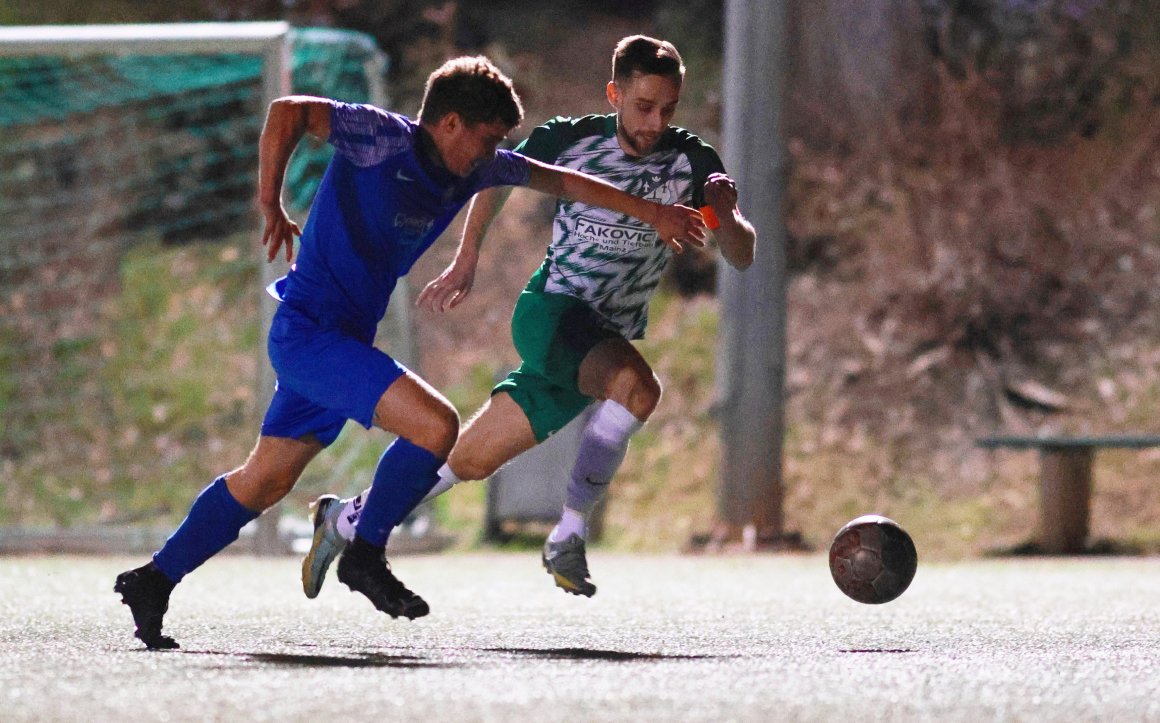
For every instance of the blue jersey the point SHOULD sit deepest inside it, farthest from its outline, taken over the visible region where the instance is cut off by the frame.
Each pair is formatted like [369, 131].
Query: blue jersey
[380, 205]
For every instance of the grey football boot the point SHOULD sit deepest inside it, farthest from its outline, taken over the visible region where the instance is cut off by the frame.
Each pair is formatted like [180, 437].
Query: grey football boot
[326, 545]
[566, 562]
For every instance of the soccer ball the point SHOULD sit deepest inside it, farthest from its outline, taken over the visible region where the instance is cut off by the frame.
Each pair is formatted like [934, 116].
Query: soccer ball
[872, 559]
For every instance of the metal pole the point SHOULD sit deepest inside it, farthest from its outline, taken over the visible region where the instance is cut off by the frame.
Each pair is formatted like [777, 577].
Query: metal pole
[751, 347]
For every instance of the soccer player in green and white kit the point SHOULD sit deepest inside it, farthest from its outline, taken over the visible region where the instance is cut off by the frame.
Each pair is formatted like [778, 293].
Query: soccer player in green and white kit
[574, 322]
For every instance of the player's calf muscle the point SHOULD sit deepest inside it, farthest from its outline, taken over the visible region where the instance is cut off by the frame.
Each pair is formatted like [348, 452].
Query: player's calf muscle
[476, 456]
[472, 462]
[495, 435]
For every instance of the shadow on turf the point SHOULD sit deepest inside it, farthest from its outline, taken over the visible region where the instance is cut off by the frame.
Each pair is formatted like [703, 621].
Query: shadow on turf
[381, 660]
[587, 654]
[1103, 547]
[361, 660]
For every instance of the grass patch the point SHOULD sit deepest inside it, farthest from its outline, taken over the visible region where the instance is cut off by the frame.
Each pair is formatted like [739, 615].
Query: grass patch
[152, 402]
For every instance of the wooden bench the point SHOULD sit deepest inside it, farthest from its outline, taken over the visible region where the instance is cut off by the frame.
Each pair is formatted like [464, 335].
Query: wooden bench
[1065, 483]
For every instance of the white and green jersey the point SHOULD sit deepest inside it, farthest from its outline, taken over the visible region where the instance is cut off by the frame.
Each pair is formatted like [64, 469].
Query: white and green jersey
[611, 261]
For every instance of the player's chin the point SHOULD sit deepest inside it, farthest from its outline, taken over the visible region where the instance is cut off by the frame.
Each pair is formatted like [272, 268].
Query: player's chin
[642, 144]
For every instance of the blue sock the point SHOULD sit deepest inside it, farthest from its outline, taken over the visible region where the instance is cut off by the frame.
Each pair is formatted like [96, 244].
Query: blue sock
[406, 473]
[213, 522]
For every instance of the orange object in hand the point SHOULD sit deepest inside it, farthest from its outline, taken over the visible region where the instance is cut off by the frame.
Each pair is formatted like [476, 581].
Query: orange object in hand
[710, 216]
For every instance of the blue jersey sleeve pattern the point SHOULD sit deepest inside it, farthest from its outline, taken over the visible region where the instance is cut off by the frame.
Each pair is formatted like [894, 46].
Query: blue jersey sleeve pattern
[366, 135]
[506, 169]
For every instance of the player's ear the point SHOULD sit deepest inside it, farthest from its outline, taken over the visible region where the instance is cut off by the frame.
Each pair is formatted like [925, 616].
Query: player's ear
[612, 93]
[453, 121]
[449, 123]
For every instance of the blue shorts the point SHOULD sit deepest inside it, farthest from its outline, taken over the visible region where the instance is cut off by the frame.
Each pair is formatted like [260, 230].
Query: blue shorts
[325, 377]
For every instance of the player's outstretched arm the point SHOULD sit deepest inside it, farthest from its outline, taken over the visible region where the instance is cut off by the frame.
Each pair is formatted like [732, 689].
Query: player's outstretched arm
[288, 119]
[451, 287]
[735, 236]
[676, 225]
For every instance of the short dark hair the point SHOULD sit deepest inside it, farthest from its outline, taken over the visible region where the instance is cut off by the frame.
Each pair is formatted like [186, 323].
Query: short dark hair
[475, 89]
[649, 56]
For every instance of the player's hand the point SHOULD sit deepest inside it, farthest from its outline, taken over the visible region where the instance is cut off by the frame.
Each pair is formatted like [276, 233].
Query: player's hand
[450, 288]
[721, 194]
[680, 226]
[278, 231]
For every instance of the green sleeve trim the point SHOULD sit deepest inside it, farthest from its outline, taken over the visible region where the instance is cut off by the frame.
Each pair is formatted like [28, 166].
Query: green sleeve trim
[547, 141]
[702, 157]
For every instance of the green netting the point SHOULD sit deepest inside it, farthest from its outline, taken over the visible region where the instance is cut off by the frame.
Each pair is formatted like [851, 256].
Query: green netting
[330, 63]
[40, 89]
[180, 129]
[106, 160]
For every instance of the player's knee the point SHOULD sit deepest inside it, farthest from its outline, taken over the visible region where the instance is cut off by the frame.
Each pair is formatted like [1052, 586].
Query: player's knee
[259, 490]
[468, 465]
[650, 391]
[439, 432]
[638, 390]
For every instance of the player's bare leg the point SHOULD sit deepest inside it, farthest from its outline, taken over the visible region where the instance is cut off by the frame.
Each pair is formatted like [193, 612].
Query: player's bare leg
[615, 370]
[497, 434]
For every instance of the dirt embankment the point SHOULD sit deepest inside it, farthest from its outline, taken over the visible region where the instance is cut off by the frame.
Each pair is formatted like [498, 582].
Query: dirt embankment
[947, 281]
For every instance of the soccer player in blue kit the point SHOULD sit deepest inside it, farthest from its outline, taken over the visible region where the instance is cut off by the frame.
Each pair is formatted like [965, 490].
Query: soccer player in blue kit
[392, 187]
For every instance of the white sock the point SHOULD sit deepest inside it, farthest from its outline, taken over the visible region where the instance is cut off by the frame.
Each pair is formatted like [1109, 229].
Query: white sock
[447, 480]
[571, 523]
[348, 518]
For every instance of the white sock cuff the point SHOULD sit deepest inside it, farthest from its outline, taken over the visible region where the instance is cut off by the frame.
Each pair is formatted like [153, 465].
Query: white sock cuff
[446, 473]
[613, 420]
[572, 522]
[447, 480]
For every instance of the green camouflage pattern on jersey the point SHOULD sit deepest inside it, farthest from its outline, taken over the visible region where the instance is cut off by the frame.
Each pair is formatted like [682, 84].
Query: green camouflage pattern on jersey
[611, 261]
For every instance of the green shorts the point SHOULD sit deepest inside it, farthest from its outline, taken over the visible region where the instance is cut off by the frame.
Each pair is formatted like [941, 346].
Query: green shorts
[553, 333]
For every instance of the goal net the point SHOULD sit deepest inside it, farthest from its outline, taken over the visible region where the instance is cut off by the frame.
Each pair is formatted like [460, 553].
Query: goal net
[132, 364]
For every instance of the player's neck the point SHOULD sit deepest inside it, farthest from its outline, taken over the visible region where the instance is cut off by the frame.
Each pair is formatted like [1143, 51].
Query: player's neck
[429, 150]
[430, 160]
[627, 147]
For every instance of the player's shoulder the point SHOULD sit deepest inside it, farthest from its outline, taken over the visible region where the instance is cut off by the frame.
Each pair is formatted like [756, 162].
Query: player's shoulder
[367, 134]
[681, 139]
[701, 154]
[548, 139]
[364, 117]
[586, 125]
